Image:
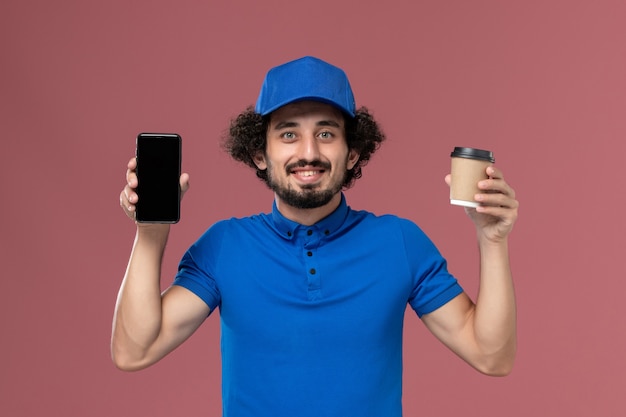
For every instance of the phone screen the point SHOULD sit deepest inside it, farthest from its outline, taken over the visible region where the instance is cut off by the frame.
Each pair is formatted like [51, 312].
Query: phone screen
[158, 175]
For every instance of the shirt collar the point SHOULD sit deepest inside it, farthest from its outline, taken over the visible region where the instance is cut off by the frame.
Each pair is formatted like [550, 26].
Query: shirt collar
[328, 225]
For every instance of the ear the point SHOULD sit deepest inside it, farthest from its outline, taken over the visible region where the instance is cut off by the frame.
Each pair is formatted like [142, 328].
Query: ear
[259, 160]
[353, 158]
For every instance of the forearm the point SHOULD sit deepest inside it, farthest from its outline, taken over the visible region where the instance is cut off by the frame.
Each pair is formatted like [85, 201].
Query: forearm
[138, 312]
[495, 311]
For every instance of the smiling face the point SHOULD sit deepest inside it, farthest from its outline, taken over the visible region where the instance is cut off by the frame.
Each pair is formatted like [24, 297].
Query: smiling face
[307, 156]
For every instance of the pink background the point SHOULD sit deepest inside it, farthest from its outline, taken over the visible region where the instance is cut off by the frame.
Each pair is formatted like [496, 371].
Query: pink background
[541, 83]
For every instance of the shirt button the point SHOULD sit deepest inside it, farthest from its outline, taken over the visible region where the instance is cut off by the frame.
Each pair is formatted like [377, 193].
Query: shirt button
[326, 232]
[288, 233]
[309, 253]
[309, 232]
[312, 271]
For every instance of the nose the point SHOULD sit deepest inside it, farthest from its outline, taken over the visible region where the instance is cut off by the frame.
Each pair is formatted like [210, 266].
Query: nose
[309, 148]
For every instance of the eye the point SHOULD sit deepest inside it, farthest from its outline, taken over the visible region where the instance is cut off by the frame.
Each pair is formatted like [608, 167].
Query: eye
[326, 135]
[288, 135]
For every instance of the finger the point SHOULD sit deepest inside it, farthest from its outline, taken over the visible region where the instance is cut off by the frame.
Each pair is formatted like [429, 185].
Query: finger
[131, 175]
[494, 172]
[496, 200]
[507, 216]
[448, 179]
[127, 205]
[495, 182]
[131, 179]
[494, 185]
[184, 182]
[130, 197]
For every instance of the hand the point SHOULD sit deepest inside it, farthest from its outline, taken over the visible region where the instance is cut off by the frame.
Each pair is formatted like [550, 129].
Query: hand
[128, 196]
[497, 213]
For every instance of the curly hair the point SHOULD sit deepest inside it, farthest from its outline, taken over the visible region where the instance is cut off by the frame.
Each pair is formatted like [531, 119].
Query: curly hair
[247, 132]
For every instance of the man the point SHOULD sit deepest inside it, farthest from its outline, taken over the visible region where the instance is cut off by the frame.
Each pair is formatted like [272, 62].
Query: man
[312, 295]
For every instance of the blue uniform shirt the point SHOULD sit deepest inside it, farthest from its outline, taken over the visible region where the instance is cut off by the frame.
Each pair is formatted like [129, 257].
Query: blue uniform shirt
[311, 316]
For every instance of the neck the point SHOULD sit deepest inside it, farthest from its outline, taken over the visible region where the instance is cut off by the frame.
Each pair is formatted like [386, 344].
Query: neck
[307, 217]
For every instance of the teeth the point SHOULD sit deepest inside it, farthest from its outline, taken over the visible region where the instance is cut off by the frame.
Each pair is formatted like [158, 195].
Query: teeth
[307, 173]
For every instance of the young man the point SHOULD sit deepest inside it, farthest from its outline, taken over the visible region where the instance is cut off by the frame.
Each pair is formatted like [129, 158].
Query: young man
[312, 295]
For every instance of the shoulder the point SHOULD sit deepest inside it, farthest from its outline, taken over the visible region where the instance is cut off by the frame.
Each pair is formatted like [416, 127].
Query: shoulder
[403, 230]
[385, 222]
[224, 238]
[232, 229]
[226, 226]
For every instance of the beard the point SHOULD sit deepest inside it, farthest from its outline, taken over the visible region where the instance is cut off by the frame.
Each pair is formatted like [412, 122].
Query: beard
[308, 197]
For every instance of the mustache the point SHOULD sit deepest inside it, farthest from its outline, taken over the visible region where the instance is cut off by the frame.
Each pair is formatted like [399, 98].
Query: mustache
[304, 163]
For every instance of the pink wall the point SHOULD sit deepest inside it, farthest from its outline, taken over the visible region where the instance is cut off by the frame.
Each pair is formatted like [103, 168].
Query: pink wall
[542, 83]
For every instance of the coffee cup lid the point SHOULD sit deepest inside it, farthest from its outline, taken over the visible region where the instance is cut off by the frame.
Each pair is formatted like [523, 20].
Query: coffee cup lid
[472, 153]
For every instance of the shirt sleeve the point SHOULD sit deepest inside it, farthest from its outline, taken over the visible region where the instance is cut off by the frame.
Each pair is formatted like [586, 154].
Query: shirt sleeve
[195, 272]
[433, 286]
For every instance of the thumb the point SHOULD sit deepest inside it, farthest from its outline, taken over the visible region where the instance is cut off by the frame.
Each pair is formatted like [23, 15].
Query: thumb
[184, 183]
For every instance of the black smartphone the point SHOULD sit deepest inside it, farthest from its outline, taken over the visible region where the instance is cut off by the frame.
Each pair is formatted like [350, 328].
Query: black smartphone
[158, 175]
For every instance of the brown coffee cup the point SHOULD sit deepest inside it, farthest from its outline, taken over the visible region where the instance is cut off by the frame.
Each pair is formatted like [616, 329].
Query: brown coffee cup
[468, 167]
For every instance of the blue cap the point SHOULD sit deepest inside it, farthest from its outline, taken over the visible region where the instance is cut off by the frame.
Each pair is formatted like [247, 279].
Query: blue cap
[306, 78]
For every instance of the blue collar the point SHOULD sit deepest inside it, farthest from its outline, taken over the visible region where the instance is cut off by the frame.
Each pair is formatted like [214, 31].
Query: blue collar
[288, 229]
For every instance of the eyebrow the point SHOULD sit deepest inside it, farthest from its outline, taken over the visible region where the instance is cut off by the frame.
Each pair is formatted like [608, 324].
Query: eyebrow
[288, 124]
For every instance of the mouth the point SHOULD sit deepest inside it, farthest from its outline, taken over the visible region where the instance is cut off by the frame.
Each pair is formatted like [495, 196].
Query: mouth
[308, 173]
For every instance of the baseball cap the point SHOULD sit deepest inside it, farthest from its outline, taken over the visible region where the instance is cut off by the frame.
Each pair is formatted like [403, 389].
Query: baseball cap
[306, 78]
